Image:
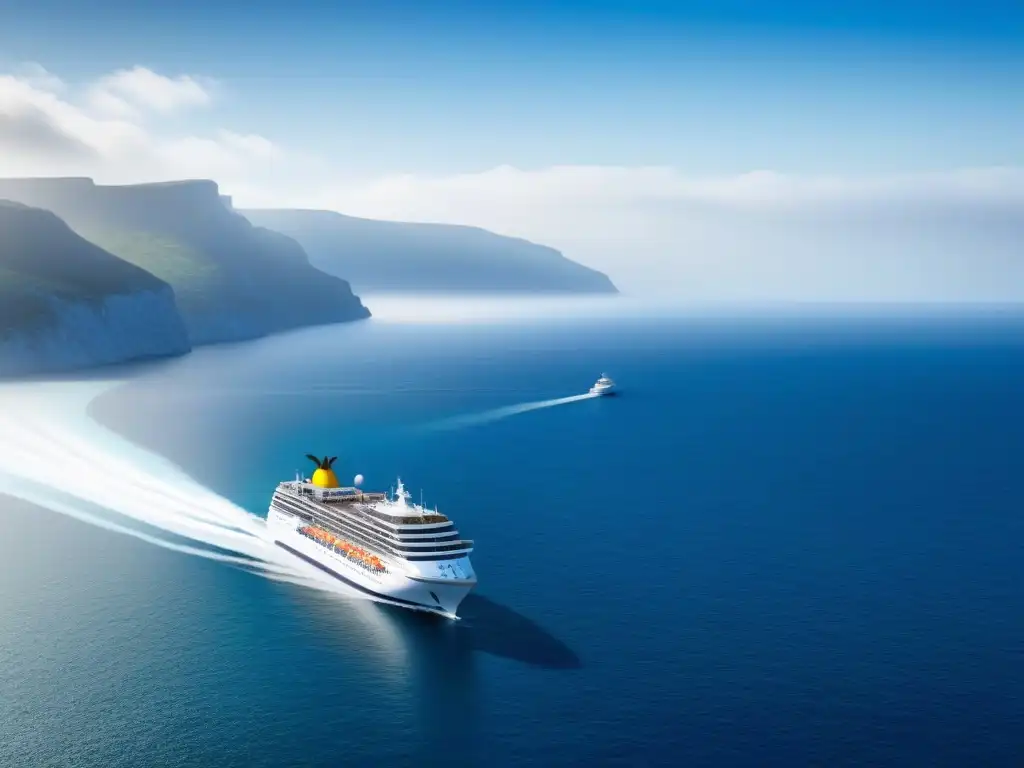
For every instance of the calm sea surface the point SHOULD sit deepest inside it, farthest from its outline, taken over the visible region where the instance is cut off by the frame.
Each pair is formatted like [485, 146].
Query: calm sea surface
[789, 542]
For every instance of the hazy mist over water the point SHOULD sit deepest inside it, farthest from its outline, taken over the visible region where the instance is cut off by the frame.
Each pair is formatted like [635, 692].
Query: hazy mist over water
[812, 315]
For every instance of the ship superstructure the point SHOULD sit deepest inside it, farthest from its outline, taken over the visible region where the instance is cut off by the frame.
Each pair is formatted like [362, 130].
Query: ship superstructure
[378, 543]
[603, 386]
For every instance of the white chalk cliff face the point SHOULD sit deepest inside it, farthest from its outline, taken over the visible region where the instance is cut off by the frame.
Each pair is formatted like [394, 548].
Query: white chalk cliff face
[88, 333]
[66, 303]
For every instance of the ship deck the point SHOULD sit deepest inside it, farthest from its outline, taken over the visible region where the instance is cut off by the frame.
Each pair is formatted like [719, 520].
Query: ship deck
[331, 498]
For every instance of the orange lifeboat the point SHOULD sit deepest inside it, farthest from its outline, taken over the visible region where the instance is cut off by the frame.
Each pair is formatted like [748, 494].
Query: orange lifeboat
[347, 548]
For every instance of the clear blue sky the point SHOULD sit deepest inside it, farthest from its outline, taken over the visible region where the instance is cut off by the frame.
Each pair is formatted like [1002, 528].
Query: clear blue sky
[713, 86]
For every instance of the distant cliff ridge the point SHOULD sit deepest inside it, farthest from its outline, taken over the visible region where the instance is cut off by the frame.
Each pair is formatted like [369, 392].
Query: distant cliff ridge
[232, 280]
[93, 274]
[66, 303]
[395, 256]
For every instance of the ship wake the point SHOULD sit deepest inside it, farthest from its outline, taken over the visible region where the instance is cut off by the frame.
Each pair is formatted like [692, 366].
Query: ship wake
[55, 456]
[496, 414]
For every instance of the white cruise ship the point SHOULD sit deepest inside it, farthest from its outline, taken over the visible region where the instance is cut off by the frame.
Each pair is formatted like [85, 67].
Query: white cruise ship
[380, 545]
[603, 386]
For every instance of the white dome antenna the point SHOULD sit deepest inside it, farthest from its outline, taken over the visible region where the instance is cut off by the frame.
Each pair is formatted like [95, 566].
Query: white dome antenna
[358, 481]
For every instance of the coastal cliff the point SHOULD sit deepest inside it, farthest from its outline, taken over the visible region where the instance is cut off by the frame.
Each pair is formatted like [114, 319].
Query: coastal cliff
[383, 256]
[232, 280]
[65, 303]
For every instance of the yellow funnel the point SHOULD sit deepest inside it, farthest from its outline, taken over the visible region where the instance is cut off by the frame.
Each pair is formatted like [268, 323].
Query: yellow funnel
[325, 478]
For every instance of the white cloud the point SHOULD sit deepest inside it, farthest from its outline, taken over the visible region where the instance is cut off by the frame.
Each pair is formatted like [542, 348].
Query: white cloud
[128, 91]
[102, 129]
[637, 207]
[760, 235]
[585, 187]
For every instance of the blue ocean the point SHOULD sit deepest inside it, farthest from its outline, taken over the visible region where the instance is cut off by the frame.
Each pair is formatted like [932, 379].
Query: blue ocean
[791, 540]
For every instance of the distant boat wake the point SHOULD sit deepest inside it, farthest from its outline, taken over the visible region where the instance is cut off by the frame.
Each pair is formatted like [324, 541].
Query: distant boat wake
[495, 414]
[54, 455]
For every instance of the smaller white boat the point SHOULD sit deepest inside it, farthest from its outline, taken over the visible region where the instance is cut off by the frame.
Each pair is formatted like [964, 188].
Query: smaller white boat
[603, 386]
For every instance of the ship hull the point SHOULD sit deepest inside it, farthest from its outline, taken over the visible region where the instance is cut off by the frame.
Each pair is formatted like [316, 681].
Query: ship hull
[441, 596]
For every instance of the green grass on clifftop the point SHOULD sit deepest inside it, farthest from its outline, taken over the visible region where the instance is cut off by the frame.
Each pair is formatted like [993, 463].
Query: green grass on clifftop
[194, 277]
[159, 255]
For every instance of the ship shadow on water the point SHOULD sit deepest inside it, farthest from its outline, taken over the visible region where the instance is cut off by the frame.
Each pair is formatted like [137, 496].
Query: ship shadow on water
[488, 627]
[500, 631]
[444, 666]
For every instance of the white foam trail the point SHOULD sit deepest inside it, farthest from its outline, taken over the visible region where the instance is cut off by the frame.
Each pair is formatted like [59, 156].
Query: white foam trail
[53, 455]
[504, 412]
[71, 510]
